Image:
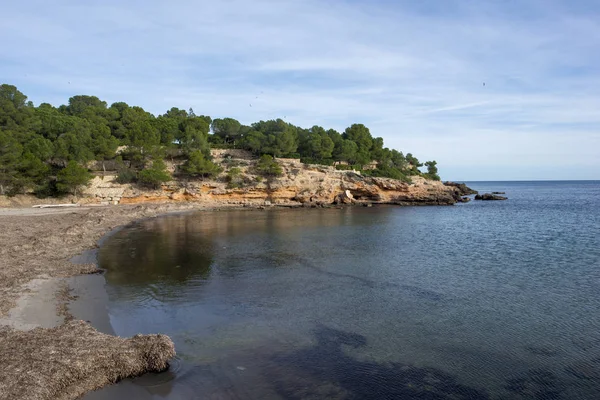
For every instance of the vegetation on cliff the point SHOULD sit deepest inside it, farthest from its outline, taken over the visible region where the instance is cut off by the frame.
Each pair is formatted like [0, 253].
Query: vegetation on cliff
[47, 149]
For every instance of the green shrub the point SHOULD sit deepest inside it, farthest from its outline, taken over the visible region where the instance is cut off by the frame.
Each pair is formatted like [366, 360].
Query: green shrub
[318, 161]
[342, 167]
[267, 166]
[228, 161]
[434, 177]
[383, 171]
[126, 175]
[198, 165]
[71, 178]
[154, 176]
[235, 178]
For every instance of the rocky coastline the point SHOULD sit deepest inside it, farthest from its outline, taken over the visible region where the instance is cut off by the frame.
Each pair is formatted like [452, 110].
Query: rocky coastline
[300, 185]
[490, 196]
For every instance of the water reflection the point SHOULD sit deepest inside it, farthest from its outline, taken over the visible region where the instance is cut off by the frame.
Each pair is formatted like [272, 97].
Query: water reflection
[179, 248]
[439, 303]
[164, 251]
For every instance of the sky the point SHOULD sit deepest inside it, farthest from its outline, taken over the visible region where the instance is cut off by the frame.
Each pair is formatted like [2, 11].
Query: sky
[491, 90]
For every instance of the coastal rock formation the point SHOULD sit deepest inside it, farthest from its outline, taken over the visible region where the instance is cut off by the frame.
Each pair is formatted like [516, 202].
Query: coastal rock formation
[67, 361]
[299, 184]
[344, 198]
[489, 196]
[463, 189]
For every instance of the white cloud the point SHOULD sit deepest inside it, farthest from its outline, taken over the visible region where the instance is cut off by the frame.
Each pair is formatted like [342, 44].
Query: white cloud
[414, 76]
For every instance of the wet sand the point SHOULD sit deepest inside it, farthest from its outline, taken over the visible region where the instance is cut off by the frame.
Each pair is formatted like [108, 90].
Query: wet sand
[55, 335]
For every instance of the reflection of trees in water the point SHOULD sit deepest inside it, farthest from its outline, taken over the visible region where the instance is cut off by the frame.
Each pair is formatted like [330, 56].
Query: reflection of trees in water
[167, 252]
[230, 223]
[177, 248]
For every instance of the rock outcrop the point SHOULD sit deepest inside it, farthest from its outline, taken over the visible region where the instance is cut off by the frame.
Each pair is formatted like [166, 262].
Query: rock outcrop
[463, 189]
[489, 196]
[300, 184]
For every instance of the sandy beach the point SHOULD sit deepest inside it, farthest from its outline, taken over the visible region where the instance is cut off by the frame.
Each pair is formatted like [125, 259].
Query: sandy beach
[55, 340]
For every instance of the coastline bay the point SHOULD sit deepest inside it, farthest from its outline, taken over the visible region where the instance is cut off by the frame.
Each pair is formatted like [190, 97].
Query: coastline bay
[484, 299]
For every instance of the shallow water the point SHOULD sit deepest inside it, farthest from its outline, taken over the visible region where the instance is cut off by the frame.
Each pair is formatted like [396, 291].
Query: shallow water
[482, 300]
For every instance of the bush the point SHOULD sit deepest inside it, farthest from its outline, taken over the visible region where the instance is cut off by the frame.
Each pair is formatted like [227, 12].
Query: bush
[215, 144]
[433, 177]
[230, 162]
[388, 172]
[267, 166]
[235, 178]
[318, 161]
[342, 167]
[71, 178]
[155, 175]
[198, 165]
[126, 175]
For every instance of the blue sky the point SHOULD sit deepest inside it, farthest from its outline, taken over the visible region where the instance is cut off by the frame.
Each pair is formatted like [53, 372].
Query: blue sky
[412, 71]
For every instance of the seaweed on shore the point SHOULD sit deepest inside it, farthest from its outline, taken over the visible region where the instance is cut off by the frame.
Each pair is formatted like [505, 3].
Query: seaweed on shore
[67, 361]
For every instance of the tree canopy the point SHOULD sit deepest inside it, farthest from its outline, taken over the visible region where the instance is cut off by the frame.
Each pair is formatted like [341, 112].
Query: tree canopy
[72, 177]
[37, 143]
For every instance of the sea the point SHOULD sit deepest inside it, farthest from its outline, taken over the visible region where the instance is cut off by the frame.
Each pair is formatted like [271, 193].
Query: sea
[482, 300]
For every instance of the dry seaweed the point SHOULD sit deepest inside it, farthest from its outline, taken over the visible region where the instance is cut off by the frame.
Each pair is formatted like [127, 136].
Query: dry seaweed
[72, 359]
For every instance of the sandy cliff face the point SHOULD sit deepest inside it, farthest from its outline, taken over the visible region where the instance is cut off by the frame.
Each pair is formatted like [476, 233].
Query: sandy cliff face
[300, 184]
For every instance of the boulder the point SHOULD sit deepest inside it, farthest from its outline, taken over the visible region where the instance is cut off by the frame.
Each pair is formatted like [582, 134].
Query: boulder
[489, 196]
[463, 190]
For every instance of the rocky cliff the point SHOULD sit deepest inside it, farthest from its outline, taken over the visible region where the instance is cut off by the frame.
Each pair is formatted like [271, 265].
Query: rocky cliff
[300, 184]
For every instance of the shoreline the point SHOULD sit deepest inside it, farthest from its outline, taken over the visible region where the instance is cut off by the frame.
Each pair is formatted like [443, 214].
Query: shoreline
[56, 340]
[50, 283]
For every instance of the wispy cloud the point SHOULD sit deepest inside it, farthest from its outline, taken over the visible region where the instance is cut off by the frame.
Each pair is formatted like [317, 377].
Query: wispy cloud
[412, 71]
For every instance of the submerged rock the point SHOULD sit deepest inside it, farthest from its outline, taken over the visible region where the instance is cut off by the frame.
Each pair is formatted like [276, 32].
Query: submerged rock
[498, 192]
[489, 196]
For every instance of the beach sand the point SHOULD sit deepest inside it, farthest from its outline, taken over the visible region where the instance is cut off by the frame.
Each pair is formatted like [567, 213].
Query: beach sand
[55, 335]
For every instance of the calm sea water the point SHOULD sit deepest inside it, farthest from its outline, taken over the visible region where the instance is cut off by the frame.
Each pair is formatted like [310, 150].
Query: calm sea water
[485, 300]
